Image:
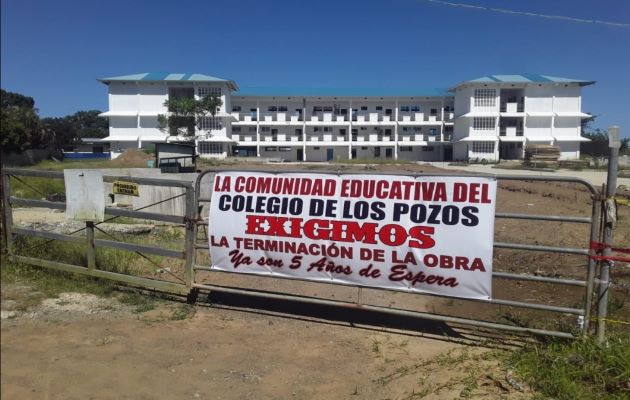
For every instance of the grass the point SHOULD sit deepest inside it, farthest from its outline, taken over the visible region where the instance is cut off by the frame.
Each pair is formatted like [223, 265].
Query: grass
[49, 165]
[50, 283]
[577, 370]
[26, 185]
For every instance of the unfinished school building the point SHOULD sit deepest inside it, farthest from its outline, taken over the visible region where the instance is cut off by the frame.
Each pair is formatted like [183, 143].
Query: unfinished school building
[486, 119]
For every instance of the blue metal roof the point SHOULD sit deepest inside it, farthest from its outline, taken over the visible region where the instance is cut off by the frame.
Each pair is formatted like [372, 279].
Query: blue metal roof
[341, 92]
[167, 77]
[526, 78]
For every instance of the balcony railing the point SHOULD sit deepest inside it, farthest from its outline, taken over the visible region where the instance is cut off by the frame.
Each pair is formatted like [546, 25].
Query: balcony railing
[244, 138]
[510, 131]
[326, 138]
[327, 117]
[512, 107]
[419, 117]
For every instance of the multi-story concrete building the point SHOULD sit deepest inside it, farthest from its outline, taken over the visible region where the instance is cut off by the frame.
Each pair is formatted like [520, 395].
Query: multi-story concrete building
[490, 118]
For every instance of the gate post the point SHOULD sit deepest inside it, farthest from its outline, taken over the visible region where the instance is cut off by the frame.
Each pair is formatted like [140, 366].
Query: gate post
[592, 263]
[7, 215]
[91, 251]
[610, 217]
[190, 219]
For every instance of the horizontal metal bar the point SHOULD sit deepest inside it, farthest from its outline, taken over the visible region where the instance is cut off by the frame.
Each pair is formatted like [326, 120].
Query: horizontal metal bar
[520, 246]
[204, 200]
[152, 284]
[499, 302]
[140, 248]
[55, 205]
[32, 172]
[202, 246]
[48, 235]
[534, 306]
[121, 212]
[543, 178]
[582, 220]
[115, 211]
[534, 278]
[106, 178]
[149, 181]
[393, 311]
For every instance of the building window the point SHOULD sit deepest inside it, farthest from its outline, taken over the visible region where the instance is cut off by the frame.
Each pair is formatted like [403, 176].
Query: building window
[404, 108]
[483, 147]
[236, 129]
[427, 148]
[236, 109]
[282, 108]
[485, 97]
[433, 131]
[417, 129]
[271, 149]
[483, 123]
[272, 108]
[379, 108]
[328, 109]
[205, 91]
[284, 148]
[252, 129]
[415, 109]
[405, 148]
[364, 108]
[210, 148]
[316, 148]
[210, 124]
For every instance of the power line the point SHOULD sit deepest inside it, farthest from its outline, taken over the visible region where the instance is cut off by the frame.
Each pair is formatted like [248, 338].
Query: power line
[529, 14]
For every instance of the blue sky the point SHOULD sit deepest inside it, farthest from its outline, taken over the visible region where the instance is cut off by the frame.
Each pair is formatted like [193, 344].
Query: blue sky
[55, 50]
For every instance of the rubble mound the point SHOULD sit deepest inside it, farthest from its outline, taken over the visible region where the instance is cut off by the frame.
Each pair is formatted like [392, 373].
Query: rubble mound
[132, 158]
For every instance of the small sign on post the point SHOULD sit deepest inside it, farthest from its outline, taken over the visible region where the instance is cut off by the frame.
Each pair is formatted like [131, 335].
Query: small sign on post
[85, 195]
[126, 188]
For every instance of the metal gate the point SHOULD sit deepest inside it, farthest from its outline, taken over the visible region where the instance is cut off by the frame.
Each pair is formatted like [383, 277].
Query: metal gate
[92, 238]
[195, 274]
[579, 313]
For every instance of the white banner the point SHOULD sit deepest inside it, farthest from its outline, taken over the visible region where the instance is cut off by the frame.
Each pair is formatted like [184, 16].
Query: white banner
[419, 234]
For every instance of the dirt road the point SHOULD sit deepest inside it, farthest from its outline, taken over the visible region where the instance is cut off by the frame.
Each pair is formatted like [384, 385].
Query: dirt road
[222, 353]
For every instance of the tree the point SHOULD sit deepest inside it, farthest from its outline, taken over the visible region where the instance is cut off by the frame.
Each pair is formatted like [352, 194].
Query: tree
[89, 125]
[19, 123]
[598, 146]
[62, 131]
[185, 114]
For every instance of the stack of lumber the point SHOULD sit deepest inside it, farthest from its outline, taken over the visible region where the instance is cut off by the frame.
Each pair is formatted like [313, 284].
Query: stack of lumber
[542, 153]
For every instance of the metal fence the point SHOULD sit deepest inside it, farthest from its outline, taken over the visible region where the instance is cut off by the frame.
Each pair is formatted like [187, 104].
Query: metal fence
[195, 221]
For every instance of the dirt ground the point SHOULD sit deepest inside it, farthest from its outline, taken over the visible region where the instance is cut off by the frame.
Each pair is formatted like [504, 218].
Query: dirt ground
[230, 347]
[65, 350]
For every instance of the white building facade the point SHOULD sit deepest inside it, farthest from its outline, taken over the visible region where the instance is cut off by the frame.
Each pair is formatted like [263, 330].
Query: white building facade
[486, 119]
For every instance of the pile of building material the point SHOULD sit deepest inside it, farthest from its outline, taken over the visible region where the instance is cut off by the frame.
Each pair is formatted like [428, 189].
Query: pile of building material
[542, 153]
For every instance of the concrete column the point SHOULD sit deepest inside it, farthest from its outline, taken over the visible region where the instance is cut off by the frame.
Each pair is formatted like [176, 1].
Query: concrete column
[257, 128]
